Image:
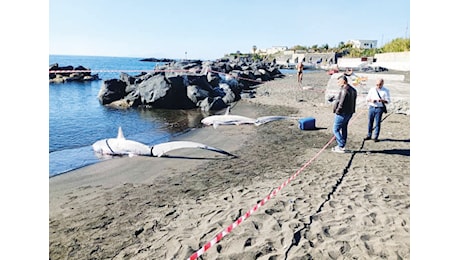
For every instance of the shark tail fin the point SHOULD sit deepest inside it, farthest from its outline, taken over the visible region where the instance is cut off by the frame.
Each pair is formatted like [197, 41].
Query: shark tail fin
[210, 148]
[120, 133]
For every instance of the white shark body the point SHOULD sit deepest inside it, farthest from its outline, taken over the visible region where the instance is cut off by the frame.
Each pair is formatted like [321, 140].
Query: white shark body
[227, 119]
[122, 146]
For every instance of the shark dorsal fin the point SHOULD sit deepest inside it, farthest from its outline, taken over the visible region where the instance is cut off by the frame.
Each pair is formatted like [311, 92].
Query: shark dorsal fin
[120, 133]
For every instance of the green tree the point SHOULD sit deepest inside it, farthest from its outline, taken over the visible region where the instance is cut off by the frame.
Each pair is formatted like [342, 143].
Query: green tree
[299, 48]
[397, 45]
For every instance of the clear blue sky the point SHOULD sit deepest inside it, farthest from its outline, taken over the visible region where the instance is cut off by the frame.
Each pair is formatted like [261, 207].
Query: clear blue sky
[209, 29]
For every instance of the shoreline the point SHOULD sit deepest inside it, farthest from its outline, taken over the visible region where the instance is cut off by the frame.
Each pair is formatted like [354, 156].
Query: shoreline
[347, 205]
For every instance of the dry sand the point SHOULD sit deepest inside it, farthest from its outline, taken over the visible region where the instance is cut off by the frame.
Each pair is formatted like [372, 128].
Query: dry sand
[338, 206]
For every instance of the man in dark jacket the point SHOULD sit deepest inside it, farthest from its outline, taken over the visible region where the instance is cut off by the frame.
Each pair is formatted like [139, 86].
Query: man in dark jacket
[344, 108]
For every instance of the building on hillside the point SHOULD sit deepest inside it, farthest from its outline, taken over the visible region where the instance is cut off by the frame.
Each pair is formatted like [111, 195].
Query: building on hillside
[272, 50]
[290, 58]
[363, 44]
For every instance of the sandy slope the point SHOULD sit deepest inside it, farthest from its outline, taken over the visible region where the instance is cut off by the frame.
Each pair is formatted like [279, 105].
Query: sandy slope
[338, 206]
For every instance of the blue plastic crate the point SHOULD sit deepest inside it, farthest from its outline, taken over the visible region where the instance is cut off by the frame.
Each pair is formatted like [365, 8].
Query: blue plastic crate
[307, 123]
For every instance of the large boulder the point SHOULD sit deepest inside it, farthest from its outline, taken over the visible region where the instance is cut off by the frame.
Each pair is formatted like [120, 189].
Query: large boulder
[187, 84]
[112, 90]
[196, 94]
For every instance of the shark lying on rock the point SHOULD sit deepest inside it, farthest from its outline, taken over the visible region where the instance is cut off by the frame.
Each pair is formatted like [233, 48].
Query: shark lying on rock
[122, 146]
[227, 119]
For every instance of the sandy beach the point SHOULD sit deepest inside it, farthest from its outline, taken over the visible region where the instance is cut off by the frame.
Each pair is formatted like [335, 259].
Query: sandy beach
[333, 206]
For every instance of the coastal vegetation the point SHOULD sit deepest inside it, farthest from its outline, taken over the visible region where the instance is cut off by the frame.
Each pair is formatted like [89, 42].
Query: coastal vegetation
[345, 49]
[396, 45]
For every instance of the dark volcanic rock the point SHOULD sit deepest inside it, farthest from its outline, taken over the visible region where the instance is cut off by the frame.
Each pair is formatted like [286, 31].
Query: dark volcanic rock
[156, 60]
[111, 90]
[69, 73]
[188, 84]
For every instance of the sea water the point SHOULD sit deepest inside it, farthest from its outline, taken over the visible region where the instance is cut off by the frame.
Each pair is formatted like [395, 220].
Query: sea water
[77, 119]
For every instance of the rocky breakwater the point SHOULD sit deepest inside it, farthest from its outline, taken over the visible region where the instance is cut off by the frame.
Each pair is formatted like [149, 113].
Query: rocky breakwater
[69, 73]
[209, 85]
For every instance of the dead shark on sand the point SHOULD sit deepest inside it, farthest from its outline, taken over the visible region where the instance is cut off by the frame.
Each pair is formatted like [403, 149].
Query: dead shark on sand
[227, 119]
[122, 146]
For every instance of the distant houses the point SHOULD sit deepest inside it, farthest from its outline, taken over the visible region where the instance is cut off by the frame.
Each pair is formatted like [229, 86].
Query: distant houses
[363, 44]
[272, 50]
[288, 58]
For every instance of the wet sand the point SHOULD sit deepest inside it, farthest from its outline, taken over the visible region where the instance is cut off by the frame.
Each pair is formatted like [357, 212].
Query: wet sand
[335, 206]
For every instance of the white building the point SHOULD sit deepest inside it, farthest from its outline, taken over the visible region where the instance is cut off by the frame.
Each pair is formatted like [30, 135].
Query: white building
[363, 44]
[272, 50]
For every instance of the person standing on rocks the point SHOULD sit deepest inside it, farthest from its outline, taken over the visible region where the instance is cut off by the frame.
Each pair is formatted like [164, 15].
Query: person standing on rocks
[344, 108]
[299, 72]
[376, 100]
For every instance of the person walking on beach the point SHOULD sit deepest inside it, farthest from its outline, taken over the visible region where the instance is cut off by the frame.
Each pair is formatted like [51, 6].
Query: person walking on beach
[299, 72]
[344, 108]
[376, 99]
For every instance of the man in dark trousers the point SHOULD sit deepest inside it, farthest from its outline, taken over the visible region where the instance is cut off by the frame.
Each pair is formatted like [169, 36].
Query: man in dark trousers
[344, 108]
[377, 99]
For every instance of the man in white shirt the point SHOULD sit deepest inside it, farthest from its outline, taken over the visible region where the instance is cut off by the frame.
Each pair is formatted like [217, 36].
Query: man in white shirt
[377, 98]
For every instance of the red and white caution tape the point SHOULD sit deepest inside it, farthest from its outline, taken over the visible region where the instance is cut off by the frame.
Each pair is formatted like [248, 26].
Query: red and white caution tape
[219, 236]
[148, 71]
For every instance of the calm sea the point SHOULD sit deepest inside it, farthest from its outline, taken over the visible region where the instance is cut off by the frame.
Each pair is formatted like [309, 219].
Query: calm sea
[77, 119]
